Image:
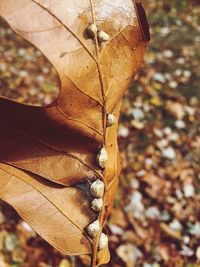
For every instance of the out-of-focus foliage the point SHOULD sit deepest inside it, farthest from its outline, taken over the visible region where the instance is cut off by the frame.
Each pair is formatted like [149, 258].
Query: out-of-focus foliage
[156, 219]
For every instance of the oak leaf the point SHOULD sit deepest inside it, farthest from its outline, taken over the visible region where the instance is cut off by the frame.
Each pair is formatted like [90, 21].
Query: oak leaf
[48, 154]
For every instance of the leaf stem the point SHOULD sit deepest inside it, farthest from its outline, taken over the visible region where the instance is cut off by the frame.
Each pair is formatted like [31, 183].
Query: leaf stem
[97, 48]
[104, 115]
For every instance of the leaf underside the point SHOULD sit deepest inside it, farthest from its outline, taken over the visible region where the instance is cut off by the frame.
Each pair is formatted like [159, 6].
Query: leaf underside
[46, 152]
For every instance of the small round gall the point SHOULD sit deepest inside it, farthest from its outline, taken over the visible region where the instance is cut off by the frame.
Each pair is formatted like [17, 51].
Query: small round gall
[111, 119]
[97, 204]
[93, 229]
[103, 241]
[103, 36]
[92, 30]
[102, 158]
[97, 189]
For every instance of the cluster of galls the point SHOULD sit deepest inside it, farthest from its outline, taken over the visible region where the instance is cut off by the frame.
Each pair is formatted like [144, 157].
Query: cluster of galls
[97, 190]
[93, 31]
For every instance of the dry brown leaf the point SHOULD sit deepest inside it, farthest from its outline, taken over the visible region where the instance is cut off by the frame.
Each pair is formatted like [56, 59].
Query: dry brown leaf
[155, 185]
[46, 152]
[170, 255]
[170, 232]
[50, 209]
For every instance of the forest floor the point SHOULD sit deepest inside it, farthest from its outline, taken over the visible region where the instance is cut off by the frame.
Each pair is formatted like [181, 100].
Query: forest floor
[156, 217]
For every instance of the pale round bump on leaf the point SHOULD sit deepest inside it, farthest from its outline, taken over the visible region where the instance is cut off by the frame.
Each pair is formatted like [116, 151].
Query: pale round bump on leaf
[103, 36]
[93, 229]
[97, 204]
[102, 157]
[92, 30]
[103, 241]
[111, 120]
[97, 189]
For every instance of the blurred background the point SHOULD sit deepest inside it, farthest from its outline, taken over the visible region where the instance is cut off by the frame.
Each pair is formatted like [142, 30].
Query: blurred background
[156, 217]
